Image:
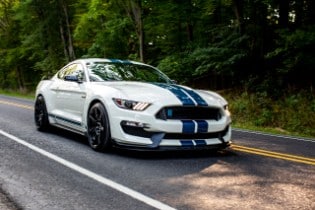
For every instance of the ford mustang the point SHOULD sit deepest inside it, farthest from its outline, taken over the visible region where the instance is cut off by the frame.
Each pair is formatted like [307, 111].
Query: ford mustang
[131, 105]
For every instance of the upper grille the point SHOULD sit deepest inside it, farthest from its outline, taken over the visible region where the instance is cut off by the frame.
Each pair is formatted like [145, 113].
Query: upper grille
[193, 113]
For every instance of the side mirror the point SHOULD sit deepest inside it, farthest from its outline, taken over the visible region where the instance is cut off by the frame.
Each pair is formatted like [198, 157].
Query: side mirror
[73, 78]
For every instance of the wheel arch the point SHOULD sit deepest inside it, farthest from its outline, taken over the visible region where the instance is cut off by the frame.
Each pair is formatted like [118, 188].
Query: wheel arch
[94, 101]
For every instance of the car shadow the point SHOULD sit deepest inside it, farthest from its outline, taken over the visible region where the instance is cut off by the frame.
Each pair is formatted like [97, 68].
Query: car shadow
[69, 135]
[178, 154]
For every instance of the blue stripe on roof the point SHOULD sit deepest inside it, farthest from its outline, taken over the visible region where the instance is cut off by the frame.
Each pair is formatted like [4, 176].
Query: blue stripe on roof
[188, 126]
[126, 61]
[202, 126]
[119, 61]
[115, 60]
[182, 96]
[199, 100]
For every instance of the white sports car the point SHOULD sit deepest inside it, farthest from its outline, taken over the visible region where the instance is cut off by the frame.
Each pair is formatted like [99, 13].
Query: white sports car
[133, 105]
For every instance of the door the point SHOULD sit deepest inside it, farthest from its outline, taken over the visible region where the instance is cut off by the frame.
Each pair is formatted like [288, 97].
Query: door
[70, 96]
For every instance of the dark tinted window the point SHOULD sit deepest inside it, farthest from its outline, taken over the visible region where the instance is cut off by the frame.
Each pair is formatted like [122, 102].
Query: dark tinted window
[72, 70]
[125, 72]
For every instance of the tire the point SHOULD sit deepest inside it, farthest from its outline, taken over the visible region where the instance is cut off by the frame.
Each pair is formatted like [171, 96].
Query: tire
[98, 128]
[40, 114]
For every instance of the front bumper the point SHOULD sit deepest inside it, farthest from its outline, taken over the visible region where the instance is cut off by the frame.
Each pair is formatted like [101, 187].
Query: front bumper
[145, 131]
[138, 138]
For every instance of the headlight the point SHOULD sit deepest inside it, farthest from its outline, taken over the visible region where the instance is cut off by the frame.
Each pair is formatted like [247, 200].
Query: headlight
[132, 105]
[226, 109]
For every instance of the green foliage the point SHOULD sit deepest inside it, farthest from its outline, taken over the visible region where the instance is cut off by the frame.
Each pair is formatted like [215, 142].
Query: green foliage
[189, 39]
[294, 113]
[102, 31]
[223, 57]
[174, 66]
[292, 58]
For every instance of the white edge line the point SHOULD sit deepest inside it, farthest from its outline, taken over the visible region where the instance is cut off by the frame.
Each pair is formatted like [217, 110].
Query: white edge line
[275, 135]
[132, 193]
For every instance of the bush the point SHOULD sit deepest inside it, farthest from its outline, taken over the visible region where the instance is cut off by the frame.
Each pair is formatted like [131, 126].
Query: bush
[293, 113]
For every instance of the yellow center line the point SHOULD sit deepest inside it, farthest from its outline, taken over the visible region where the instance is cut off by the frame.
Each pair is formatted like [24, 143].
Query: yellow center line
[16, 104]
[294, 158]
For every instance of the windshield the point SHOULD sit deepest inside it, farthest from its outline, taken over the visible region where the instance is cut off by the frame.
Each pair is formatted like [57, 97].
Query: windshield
[106, 71]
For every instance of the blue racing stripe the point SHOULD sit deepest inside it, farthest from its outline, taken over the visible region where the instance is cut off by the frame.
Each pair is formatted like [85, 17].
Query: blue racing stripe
[120, 61]
[200, 101]
[188, 126]
[187, 143]
[65, 119]
[200, 142]
[184, 98]
[202, 126]
[115, 60]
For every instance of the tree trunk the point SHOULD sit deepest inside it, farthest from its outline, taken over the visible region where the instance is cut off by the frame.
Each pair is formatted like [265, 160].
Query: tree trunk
[238, 10]
[63, 39]
[140, 34]
[68, 31]
[309, 13]
[134, 11]
[20, 78]
[284, 13]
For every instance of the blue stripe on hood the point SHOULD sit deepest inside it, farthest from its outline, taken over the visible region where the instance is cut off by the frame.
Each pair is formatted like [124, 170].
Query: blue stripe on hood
[182, 96]
[188, 97]
[200, 101]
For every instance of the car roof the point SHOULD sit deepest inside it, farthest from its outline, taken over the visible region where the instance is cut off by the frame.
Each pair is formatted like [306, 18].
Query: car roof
[93, 60]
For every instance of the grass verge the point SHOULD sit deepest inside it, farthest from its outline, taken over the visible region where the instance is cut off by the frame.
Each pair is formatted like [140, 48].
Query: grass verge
[19, 94]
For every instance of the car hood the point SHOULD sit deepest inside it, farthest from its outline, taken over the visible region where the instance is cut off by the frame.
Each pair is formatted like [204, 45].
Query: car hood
[170, 94]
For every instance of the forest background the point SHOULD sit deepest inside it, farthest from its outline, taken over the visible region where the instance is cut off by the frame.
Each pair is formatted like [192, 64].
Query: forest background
[259, 54]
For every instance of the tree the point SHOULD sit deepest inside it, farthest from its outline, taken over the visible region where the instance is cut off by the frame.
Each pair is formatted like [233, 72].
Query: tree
[134, 11]
[65, 31]
[284, 13]
[215, 41]
[103, 29]
[12, 72]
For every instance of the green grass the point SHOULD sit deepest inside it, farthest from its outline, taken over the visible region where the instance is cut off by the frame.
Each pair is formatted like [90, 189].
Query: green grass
[19, 94]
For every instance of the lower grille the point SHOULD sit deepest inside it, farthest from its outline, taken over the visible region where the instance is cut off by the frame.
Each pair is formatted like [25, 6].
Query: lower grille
[136, 131]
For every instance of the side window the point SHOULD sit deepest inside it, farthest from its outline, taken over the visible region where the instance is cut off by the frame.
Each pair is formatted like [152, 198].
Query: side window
[72, 70]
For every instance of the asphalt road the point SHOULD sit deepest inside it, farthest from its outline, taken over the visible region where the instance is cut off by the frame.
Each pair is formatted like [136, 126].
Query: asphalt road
[58, 170]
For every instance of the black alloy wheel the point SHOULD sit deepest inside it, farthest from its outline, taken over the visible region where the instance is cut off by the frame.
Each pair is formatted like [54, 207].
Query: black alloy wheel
[40, 114]
[98, 128]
